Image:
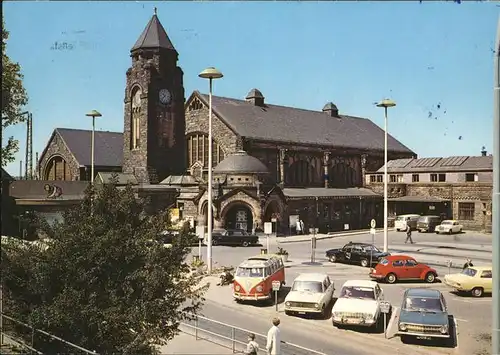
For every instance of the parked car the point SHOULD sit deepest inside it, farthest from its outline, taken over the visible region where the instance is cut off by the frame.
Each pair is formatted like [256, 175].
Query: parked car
[357, 253]
[402, 220]
[233, 237]
[449, 226]
[423, 315]
[428, 223]
[358, 304]
[168, 236]
[475, 279]
[310, 293]
[402, 267]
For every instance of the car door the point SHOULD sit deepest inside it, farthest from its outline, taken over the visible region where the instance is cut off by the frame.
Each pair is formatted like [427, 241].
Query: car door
[346, 253]
[356, 254]
[411, 269]
[486, 280]
[328, 287]
[399, 269]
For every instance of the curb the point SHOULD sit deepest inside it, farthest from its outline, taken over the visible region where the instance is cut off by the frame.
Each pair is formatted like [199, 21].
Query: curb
[329, 236]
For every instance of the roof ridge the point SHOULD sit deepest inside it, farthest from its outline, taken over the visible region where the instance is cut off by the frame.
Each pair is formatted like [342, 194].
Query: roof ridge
[84, 130]
[283, 106]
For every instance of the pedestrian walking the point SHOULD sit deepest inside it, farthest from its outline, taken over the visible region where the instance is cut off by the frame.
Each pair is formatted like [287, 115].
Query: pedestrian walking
[408, 232]
[468, 263]
[252, 346]
[302, 227]
[274, 339]
[298, 227]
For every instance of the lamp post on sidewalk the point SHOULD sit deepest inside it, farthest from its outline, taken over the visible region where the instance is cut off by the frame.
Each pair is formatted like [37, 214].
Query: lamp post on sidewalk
[495, 331]
[210, 73]
[386, 103]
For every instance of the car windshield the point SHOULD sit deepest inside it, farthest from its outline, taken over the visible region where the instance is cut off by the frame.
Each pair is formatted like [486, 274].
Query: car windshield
[357, 292]
[371, 248]
[446, 222]
[400, 218]
[469, 272]
[250, 272]
[422, 304]
[310, 286]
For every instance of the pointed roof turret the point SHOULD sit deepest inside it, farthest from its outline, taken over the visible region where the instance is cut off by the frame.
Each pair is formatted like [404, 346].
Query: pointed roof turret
[153, 36]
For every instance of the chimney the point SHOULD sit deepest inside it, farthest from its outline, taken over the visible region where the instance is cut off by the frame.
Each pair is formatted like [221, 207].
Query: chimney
[255, 97]
[331, 109]
[483, 151]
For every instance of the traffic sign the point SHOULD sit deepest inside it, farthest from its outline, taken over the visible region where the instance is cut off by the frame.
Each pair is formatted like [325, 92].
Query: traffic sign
[268, 228]
[276, 285]
[373, 223]
[385, 307]
[200, 232]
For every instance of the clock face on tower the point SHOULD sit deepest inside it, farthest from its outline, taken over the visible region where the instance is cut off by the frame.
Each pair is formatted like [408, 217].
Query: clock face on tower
[165, 96]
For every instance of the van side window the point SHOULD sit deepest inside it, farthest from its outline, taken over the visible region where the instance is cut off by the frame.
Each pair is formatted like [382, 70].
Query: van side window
[273, 267]
[268, 271]
[280, 263]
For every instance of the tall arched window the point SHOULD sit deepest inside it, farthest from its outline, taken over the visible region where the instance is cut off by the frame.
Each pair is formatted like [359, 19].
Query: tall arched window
[342, 175]
[134, 118]
[197, 145]
[300, 173]
[57, 169]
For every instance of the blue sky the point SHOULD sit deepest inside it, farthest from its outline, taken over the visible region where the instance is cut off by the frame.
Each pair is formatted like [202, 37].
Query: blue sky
[434, 59]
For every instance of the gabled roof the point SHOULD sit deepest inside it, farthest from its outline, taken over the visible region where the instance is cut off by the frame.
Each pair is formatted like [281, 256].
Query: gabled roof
[108, 146]
[122, 178]
[294, 125]
[6, 176]
[179, 180]
[440, 164]
[153, 36]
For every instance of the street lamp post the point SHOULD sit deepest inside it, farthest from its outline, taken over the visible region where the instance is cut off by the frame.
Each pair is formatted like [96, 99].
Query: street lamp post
[495, 332]
[92, 114]
[386, 103]
[210, 73]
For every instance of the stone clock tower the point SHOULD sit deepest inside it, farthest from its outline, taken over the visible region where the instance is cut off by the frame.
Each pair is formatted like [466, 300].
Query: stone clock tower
[154, 108]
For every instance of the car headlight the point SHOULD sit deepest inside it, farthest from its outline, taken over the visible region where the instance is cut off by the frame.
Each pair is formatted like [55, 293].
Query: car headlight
[444, 329]
[259, 288]
[237, 288]
[336, 314]
[316, 305]
[402, 327]
[287, 304]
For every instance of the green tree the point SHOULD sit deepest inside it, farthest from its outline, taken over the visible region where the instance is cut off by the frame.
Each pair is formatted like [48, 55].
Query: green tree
[14, 97]
[104, 282]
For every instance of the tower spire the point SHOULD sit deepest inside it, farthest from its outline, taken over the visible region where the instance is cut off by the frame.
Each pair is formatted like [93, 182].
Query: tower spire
[154, 36]
[156, 11]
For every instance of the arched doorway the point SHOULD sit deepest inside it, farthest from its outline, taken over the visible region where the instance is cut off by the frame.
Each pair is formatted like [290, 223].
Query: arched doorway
[238, 216]
[272, 211]
[57, 169]
[204, 215]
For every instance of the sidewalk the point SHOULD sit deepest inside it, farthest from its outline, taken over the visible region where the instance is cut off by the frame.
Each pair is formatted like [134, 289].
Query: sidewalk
[187, 344]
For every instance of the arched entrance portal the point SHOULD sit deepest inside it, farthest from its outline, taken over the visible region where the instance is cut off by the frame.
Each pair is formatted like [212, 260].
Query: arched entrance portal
[272, 211]
[239, 216]
[204, 219]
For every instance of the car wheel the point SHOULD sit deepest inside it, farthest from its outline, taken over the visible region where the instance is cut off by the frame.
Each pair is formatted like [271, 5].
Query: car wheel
[391, 278]
[477, 291]
[245, 243]
[288, 313]
[405, 339]
[215, 242]
[332, 258]
[364, 262]
[430, 277]
[437, 232]
[460, 231]
[397, 230]
[449, 231]
[323, 312]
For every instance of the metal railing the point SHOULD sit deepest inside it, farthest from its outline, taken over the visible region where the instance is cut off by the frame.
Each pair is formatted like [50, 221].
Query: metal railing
[26, 336]
[236, 338]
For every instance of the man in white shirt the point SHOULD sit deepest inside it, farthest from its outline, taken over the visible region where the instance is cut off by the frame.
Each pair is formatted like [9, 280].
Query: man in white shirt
[274, 339]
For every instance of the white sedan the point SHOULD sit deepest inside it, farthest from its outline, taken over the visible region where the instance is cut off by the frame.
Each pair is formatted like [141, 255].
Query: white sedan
[449, 226]
[358, 304]
[310, 293]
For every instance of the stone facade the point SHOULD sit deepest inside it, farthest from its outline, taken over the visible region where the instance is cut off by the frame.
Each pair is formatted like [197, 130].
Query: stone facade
[197, 122]
[159, 147]
[479, 193]
[56, 148]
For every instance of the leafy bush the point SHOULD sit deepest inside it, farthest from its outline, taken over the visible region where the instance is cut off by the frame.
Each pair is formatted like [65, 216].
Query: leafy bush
[102, 284]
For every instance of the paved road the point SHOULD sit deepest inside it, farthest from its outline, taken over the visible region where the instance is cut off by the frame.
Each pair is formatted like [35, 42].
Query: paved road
[473, 315]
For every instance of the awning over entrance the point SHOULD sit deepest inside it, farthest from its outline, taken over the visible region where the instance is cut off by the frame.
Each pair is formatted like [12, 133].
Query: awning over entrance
[429, 199]
[329, 193]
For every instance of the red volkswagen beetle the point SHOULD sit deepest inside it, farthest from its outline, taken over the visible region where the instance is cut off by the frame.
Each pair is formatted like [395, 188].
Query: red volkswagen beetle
[402, 267]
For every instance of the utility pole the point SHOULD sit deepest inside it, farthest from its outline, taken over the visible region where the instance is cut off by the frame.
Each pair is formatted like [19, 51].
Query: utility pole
[495, 331]
[28, 162]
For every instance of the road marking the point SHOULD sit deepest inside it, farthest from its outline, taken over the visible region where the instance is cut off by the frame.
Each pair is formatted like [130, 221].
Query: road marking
[456, 329]
[392, 320]
[460, 319]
